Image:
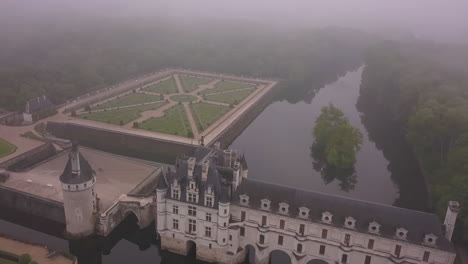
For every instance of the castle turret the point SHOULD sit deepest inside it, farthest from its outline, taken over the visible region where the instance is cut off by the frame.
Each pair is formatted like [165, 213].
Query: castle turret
[223, 217]
[451, 218]
[161, 190]
[79, 196]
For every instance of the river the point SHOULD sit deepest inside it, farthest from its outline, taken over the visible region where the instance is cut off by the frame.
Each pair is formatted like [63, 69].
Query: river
[277, 147]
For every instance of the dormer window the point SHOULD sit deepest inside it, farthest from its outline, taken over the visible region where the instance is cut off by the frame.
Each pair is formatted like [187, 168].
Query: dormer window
[283, 208]
[350, 222]
[430, 239]
[374, 227]
[192, 197]
[244, 200]
[304, 212]
[192, 185]
[209, 190]
[209, 201]
[175, 194]
[401, 233]
[327, 217]
[265, 204]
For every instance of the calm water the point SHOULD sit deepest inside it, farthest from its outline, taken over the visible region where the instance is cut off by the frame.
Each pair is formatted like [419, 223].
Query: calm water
[277, 147]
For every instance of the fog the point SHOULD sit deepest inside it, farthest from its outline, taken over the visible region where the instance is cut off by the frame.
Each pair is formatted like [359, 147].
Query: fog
[432, 19]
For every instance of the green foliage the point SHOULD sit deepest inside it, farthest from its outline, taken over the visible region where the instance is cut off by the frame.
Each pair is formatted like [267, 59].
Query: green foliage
[32, 262]
[206, 114]
[6, 148]
[230, 98]
[422, 88]
[167, 86]
[190, 83]
[226, 86]
[174, 122]
[336, 139]
[129, 99]
[24, 259]
[118, 116]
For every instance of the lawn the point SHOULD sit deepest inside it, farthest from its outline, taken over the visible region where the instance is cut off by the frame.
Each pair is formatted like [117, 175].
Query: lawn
[190, 83]
[183, 98]
[6, 148]
[129, 99]
[230, 98]
[120, 116]
[225, 86]
[206, 114]
[5, 261]
[165, 87]
[174, 122]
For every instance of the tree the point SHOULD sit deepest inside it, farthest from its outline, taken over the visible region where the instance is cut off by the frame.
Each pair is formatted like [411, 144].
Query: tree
[335, 139]
[24, 259]
[135, 125]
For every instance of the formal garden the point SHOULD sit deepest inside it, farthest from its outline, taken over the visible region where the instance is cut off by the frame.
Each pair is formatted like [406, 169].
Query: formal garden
[180, 105]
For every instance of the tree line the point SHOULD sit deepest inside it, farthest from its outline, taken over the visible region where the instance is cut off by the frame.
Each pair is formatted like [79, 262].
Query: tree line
[65, 60]
[422, 89]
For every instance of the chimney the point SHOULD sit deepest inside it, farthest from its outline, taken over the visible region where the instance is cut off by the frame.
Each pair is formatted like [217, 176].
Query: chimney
[205, 168]
[191, 166]
[451, 218]
[227, 158]
[75, 159]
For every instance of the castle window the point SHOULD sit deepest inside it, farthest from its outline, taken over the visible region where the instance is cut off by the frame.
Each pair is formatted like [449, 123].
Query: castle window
[208, 217]
[374, 227]
[85, 185]
[69, 187]
[401, 233]
[242, 231]
[175, 209]
[192, 197]
[230, 237]
[301, 229]
[282, 223]
[242, 216]
[350, 222]
[322, 250]
[283, 208]
[304, 212]
[430, 239]
[370, 244]
[426, 256]
[344, 259]
[192, 226]
[367, 260]
[192, 211]
[280, 240]
[175, 194]
[397, 251]
[261, 239]
[347, 239]
[208, 231]
[327, 217]
[175, 224]
[324, 233]
[192, 185]
[264, 220]
[266, 204]
[209, 201]
[299, 248]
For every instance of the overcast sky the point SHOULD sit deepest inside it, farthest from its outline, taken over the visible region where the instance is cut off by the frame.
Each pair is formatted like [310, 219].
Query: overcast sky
[437, 19]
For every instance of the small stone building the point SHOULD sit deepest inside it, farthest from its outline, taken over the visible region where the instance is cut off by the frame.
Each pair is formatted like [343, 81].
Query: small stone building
[38, 108]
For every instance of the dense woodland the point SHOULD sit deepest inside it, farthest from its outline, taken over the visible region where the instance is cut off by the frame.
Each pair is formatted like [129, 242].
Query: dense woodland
[64, 60]
[422, 90]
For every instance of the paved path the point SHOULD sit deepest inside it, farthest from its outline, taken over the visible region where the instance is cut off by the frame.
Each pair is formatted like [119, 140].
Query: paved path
[13, 136]
[37, 253]
[203, 87]
[119, 107]
[232, 91]
[178, 83]
[193, 124]
[215, 103]
[152, 113]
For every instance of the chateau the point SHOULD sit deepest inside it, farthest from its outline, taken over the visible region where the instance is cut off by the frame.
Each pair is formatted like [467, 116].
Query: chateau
[209, 203]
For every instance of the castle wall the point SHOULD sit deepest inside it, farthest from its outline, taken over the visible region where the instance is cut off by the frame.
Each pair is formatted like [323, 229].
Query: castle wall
[79, 212]
[30, 158]
[120, 143]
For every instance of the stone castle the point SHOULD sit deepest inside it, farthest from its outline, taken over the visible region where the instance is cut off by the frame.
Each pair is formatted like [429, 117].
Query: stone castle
[208, 203]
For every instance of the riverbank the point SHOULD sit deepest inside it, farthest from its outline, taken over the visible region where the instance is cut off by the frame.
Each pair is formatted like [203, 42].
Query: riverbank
[38, 253]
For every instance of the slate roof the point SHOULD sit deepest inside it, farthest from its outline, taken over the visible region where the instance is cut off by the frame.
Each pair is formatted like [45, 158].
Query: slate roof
[38, 104]
[417, 223]
[86, 171]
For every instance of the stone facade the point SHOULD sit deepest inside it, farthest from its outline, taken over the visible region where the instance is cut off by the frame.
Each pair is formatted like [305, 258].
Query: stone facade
[209, 203]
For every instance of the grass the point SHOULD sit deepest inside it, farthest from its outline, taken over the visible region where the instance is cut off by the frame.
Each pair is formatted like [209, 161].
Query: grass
[6, 148]
[165, 87]
[206, 114]
[121, 116]
[130, 99]
[183, 98]
[225, 86]
[5, 261]
[230, 98]
[190, 83]
[174, 122]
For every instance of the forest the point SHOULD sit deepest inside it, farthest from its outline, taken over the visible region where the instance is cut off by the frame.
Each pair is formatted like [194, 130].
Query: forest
[421, 88]
[65, 60]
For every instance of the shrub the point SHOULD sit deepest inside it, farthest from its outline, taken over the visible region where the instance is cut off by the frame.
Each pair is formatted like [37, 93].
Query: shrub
[32, 262]
[135, 124]
[24, 259]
